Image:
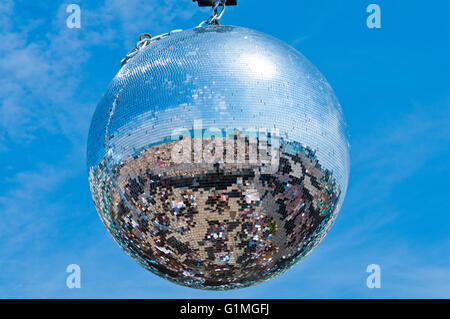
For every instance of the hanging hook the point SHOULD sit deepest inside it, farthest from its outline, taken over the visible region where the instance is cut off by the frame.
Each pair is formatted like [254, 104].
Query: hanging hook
[210, 3]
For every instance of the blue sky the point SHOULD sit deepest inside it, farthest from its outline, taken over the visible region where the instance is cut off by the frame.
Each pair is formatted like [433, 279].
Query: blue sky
[393, 84]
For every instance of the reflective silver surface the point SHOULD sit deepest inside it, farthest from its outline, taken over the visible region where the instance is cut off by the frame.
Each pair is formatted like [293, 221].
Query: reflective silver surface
[216, 224]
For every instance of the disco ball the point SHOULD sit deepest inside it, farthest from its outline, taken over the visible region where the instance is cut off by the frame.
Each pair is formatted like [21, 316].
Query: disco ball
[218, 157]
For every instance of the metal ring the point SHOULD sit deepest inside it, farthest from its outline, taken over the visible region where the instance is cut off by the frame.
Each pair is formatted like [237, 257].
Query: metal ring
[148, 35]
[144, 40]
